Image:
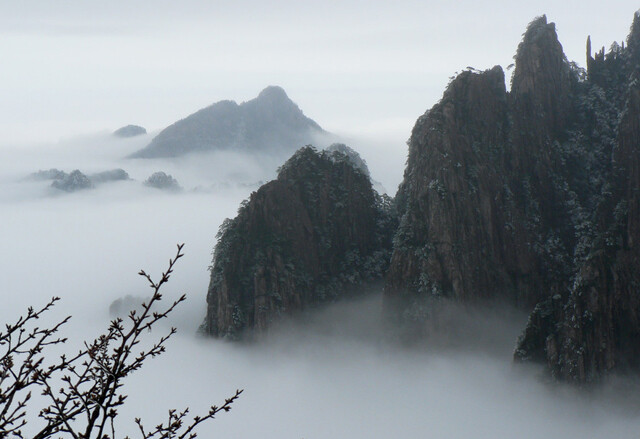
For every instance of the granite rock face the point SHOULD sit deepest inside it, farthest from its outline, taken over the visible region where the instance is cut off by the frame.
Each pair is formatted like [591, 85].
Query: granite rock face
[453, 200]
[476, 219]
[308, 237]
[270, 122]
[529, 196]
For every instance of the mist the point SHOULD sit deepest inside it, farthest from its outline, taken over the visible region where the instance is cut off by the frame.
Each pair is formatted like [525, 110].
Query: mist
[74, 71]
[77, 67]
[336, 371]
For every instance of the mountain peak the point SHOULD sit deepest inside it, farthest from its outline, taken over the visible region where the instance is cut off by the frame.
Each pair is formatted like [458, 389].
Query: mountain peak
[270, 122]
[539, 52]
[541, 83]
[273, 98]
[273, 92]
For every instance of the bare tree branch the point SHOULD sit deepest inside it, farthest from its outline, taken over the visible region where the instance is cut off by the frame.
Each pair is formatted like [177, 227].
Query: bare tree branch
[85, 391]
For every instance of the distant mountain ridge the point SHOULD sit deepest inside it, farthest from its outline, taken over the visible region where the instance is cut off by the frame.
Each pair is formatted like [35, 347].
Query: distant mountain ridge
[269, 122]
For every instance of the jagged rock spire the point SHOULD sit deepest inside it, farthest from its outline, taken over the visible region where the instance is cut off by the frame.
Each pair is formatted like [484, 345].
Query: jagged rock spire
[541, 83]
[633, 40]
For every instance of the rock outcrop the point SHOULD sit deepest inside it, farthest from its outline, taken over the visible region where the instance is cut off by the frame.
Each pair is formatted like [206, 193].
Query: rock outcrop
[48, 174]
[269, 123]
[108, 176]
[122, 306]
[513, 196]
[163, 181]
[312, 235]
[72, 182]
[130, 131]
[97, 178]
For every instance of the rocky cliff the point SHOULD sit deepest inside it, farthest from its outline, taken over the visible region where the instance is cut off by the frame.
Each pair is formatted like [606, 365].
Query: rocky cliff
[596, 329]
[479, 203]
[312, 235]
[270, 123]
[512, 196]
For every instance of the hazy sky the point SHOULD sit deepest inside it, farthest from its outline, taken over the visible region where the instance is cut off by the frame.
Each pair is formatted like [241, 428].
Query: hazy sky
[73, 66]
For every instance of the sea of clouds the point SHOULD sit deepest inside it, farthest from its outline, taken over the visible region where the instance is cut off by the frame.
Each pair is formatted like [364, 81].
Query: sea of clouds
[331, 373]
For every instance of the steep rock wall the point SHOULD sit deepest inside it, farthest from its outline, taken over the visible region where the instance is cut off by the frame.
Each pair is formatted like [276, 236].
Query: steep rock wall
[532, 196]
[597, 329]
[477, 218]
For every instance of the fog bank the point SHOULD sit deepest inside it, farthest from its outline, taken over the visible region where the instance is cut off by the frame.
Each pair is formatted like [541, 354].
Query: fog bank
[334, 372]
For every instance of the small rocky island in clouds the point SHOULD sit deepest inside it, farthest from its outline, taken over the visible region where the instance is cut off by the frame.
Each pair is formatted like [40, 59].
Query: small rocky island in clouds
[77, 180]
[527, 196]
[129, 131]
[269, 123]
[163, 181]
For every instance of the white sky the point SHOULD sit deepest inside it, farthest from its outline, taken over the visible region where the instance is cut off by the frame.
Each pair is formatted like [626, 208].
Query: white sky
[357, 67]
